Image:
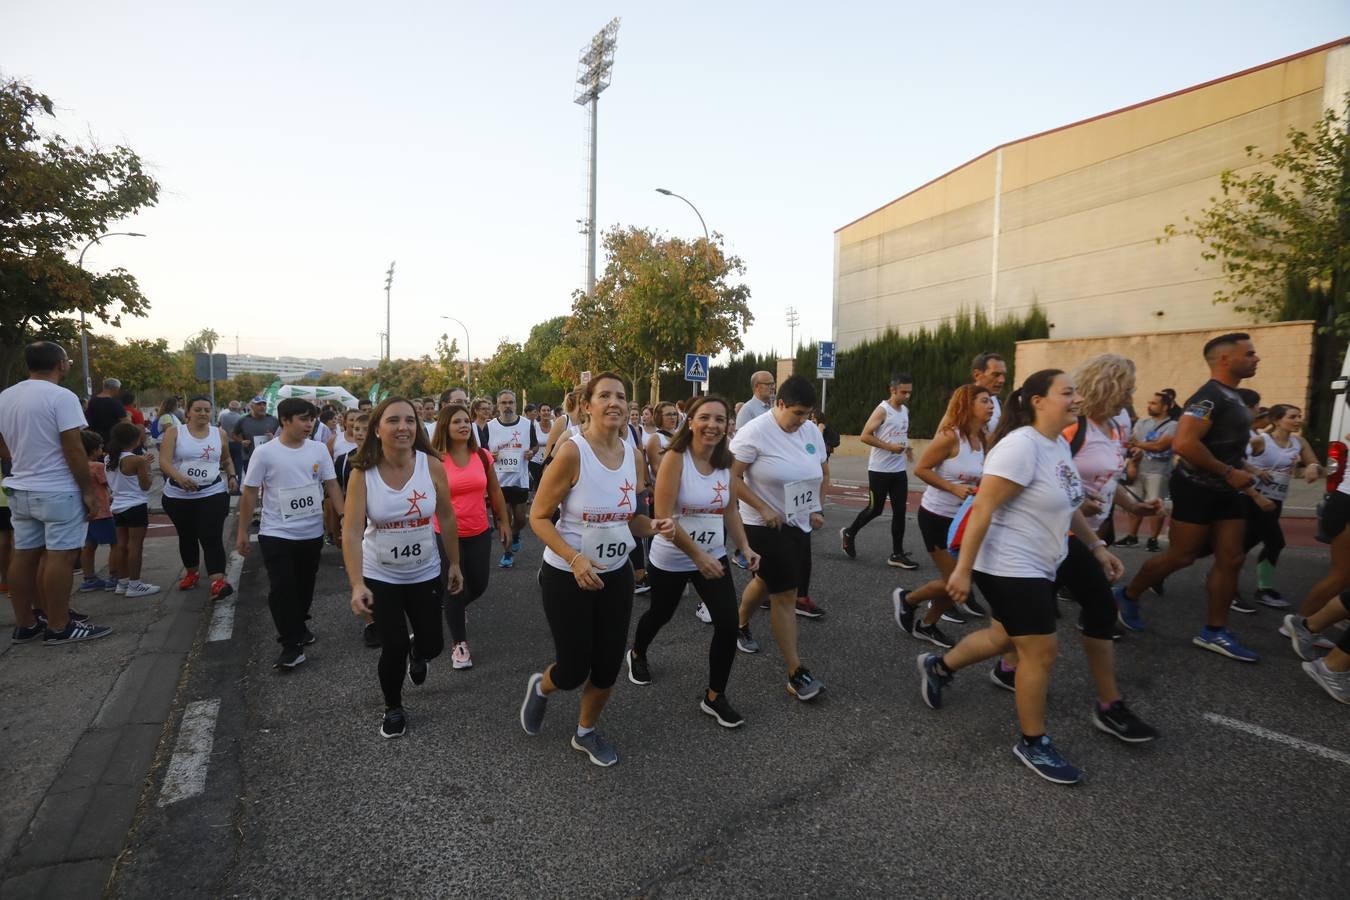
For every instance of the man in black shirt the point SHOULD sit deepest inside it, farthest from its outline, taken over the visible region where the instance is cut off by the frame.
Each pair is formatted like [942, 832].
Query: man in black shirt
[105, 409]
[1207, 509]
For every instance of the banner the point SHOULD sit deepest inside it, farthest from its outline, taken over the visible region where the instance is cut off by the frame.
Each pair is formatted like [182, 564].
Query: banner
[319, 394]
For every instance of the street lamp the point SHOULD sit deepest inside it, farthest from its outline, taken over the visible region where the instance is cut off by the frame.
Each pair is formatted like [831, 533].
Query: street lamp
[468, 359]
[84, 334]
[670, 193]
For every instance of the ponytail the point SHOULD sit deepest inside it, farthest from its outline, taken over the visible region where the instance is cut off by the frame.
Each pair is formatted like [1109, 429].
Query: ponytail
[1018, 411]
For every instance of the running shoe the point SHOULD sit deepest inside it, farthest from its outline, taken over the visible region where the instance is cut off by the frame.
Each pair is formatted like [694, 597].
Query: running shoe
[740, 560]
[74, 632]
[506, 561]
[1241, 604]
[745, 642]
[395, 723]
[803, 685]
[901, 560]
[515, 544]
[808, 609]
[1004, 678]
[931, 682]
[141, 589]
[1129, 540]
[1319, 641]
[459, 656]
[289, 658]
[638, 673]
[1300, 638]
[122, 585]
[600, 751]
[904, 613]
[417, 668]
[973, 608]
[954, 616]
[701, 613]
[1042, 758]
[846, 541]
[91, 584]
[188, 582]
[371, 635]
[641, 587]
[308, 637]
[1337, 684]
[533, 707]
[220, 589]
[933, 635]
[1152, 546]
[1118, 721]
[1222, 642]
[721, 710]
[26, 634]
[1272, 598]
[1127, 610]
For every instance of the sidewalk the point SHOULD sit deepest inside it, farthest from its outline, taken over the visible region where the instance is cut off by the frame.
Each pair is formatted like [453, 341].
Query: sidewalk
[82, 725]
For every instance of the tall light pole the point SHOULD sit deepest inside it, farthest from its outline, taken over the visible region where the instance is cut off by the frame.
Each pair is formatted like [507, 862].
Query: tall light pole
[84, 332]
[388, 285]
[595, 67]
[468, 358]
[793, 321]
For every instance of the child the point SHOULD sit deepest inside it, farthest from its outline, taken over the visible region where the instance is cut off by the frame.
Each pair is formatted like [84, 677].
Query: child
[129, 475]
[101, 530]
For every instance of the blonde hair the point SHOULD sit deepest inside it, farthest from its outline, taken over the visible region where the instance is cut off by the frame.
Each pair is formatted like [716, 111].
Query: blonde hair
[1106, 382]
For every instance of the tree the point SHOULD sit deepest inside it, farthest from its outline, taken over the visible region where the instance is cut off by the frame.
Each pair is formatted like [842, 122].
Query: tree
[54, 197]
[1283, 227]
[203, 341]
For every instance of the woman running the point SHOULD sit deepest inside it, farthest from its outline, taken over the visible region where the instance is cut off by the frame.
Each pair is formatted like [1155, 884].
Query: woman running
[585, 578]
[950, 465]
[1015, 551]
[694, 485]
[129, 480]
[472, 478]
[399, 491]
[565, 426]
[667, 421]
[779, 472]
[1282, 451]
[196, 493]
[345, 440]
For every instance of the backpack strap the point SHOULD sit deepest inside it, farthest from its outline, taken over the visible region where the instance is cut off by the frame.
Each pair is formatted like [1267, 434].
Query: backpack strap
[1079, 436]
[483, 458]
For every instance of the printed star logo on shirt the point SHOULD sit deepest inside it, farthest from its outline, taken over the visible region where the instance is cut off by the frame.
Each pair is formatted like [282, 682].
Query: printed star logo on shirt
[206, 452]
[415, 503]
[625, 489]
[718, 489]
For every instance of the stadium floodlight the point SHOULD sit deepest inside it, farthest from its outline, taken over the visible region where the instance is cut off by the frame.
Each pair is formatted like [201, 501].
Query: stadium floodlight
[595, 67]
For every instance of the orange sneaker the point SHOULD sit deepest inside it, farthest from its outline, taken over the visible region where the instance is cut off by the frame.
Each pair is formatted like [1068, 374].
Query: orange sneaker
[189, 581]
[220, 588]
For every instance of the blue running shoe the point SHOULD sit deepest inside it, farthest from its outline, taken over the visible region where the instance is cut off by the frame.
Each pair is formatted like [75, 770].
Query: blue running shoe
[515, 544]
[740, 559]
[1222, 642]
[931, 682]
[1128, 610]
[91, 584]
[506, 561]
[533, 707]
[1042, 758]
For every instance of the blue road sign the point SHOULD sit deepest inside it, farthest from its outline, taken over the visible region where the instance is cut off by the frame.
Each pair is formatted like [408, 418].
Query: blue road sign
[695, 367]
[825, 359]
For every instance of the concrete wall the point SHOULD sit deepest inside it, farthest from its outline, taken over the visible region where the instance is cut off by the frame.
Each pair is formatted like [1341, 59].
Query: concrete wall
[1069, 219]
[1172, 359]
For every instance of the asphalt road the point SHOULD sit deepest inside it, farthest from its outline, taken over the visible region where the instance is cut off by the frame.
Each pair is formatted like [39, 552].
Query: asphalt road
[864, 792]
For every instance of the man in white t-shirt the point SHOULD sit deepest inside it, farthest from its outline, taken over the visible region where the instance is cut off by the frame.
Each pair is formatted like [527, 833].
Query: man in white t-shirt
[512, 440]
[887, 433]
[51, 496]
[990, 371]
[762, 385]
[296, 475]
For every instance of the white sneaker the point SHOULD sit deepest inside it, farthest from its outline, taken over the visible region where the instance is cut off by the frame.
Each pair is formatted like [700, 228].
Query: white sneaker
[1319, 641]
[122, 586]
[141, 589]
[459, 656]
[702, 614]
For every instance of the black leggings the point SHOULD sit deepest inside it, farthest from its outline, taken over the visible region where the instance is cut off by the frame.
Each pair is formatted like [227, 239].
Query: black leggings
[590, 628]
[1264, 528]
[200, 521]
[475, 562]
[718, 594]
[883, 486]
[1083, 576]
[396, 608]
[291, 569]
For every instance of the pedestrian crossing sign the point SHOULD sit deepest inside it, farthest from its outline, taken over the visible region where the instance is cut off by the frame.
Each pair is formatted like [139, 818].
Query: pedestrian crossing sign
[695, 367]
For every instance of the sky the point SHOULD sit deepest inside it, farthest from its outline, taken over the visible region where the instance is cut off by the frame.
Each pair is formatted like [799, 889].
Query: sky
[301, 146]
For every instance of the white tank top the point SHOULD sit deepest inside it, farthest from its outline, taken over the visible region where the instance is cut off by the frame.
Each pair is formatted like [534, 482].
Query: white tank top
[699, 506]
[508, 445]
[341, 445]
[125, 489]
[963, 468]
[399, 545]
[1280, 462]
[894, 429]
[594, 515]
[198, 459]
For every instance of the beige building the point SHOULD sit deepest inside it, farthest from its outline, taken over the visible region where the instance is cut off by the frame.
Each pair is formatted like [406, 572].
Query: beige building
[1069, 219]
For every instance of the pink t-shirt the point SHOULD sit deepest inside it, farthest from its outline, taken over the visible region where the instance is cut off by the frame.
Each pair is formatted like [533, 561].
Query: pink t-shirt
[98, 471]
[468, 486]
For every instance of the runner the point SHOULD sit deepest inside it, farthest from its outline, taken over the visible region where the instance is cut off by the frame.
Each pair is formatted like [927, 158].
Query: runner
[1331, 672]
[256, 428]
[342, 468]
[951, 465]
[471, 475]
[512, 440]
[429, 416]
[585, 578]
[760, 402]
[545, 426]
[394, 571]
[295, 474]
[1281, 452]
[694, 485]
[667, 423]
[482, 414]
[1206, 504]
[567, 425]
[1151, 445]
[887, 433]
[1015, 550]
[345, 441]
[198, 471]
[128, 475]
[780, 472]
[990, 371]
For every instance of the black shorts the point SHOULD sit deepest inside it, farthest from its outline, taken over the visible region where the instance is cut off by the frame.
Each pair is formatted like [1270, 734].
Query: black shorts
[515, 495]
[934, 529]
[1335, 515]
[136, 517]
[1199, 505]
[1023, 606]
[780, 553]
[5, 523]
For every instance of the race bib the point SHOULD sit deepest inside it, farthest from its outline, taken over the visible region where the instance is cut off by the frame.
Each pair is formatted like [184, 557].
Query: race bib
[1278, 489]
[707, 531]
[261, 439]
[801, 498]
[508, 461]
[300, 502]
[607, 543]
[406, 549]
[202, 471]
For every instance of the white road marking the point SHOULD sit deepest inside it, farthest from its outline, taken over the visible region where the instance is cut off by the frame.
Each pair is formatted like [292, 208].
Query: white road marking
[1279, 738]
[222, 617]
[186, 775]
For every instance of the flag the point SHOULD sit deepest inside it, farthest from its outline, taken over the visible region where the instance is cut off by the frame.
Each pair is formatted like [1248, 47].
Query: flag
[374, 392]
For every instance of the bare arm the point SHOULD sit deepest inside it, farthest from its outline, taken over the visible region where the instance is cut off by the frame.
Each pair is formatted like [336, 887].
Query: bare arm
[942, 447]
[248, 501]
[756, 502]
[869, 432]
